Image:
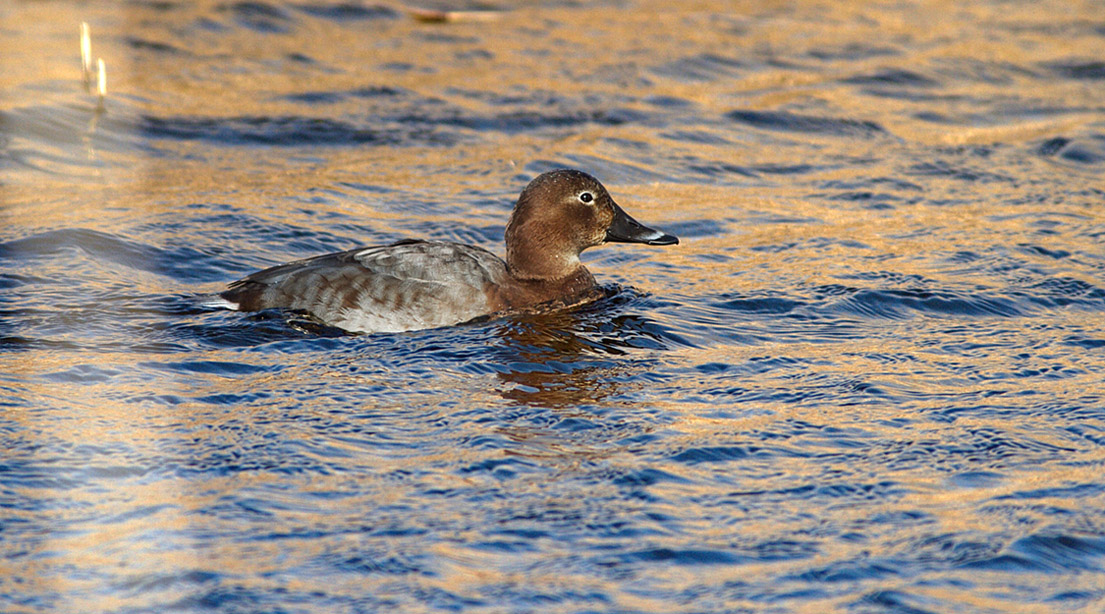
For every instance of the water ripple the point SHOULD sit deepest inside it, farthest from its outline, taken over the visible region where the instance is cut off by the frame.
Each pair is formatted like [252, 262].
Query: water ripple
[284, 131]
[793, 122]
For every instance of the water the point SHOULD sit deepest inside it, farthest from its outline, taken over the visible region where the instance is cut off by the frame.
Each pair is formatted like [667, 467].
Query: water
[869, 379]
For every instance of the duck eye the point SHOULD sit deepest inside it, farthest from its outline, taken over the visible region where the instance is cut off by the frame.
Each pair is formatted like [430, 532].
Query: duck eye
[586, 197]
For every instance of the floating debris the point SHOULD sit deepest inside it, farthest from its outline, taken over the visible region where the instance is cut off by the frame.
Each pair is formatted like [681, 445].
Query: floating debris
[436, 16]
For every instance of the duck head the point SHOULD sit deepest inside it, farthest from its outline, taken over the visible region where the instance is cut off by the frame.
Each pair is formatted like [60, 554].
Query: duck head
[560, 214]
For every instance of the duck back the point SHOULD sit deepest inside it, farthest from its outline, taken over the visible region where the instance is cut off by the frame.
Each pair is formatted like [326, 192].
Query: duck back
[407, 285]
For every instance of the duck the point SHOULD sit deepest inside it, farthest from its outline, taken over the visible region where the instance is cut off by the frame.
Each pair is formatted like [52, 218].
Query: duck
[420, 284]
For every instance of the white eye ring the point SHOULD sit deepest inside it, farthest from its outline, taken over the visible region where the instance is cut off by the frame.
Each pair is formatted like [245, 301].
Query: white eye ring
[586, 197]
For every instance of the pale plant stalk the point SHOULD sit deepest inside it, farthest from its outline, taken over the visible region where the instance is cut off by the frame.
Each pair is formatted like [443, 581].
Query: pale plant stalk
[101, 78]
[86, 52]
[86, 66]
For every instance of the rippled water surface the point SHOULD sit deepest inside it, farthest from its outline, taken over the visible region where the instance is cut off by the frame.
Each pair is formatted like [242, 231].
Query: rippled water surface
[869, 379]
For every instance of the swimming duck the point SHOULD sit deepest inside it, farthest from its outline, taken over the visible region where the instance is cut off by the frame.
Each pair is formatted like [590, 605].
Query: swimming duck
[415, 284]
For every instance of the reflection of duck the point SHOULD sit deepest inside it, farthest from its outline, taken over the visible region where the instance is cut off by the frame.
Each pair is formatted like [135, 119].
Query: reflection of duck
[567, 359]
[411, 285]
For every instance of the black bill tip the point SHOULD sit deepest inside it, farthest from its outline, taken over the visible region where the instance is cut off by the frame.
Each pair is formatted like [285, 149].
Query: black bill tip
[663, 239]
[625, 229]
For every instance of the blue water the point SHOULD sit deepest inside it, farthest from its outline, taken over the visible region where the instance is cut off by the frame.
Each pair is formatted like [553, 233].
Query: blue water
[869, 379]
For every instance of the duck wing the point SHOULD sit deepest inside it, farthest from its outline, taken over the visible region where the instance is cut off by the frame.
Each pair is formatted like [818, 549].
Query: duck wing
[403, 286]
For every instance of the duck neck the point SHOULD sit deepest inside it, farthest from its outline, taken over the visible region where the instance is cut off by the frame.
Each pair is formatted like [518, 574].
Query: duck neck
[537, 251]
[531, 263]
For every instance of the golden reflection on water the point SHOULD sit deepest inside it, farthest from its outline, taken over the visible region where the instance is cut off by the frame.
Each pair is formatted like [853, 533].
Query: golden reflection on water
[611, 54]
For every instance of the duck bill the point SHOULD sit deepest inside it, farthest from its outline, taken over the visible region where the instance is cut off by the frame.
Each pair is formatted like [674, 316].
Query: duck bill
[625, 229]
